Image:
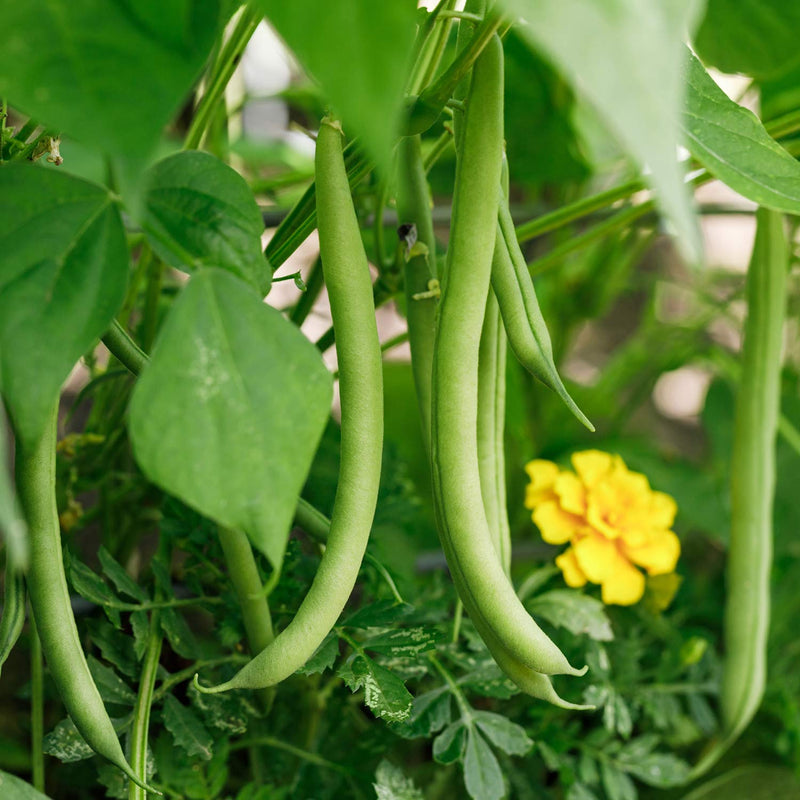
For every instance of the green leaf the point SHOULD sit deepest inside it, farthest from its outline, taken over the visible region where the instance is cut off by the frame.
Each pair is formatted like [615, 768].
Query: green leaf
[66, 744]
[614, 53]
[579, 613]
[403, 642]
[13, 788]
[112, 688]
[89, 585]
[62, 279]
[392, 784]
[579, 791]
[109, 74]
[229, 410]
[662, 770]
[227, 712]
[323, 657]
[186, 729]
[378, 614]
[430, 712]
[617, 785]
[384, 693]
[503, 733]
[358, 50]
[482, 775]
[179, 634]
[732, 144]
[449, 745]
[115, 646]
[140, 624]
[116, 573]
[200, 212]
[757, 37]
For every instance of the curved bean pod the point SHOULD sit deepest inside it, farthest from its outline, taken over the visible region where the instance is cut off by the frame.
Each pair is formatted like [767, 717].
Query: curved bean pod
[13, 617]
[456, 478]
[347, 278]
[525, 326]
[50, 602]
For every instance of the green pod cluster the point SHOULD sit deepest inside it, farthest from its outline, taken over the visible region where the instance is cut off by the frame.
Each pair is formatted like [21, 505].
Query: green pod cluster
[50, 601]
[349, 285]
[485, 588]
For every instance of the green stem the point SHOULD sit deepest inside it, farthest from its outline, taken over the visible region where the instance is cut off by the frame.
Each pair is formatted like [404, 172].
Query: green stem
[3, 116]
[457, 617]
[26, 130]
[307, 299]
[221, 73]
[122, 346]
[278, 744]
[186, 674]
[463, 706]
[149, 325]
[440, 146]
[141, 712]
[37, 708]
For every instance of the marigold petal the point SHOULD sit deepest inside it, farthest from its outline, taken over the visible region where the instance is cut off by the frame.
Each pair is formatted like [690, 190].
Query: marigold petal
[543, 476]
[555, 524]
[658, 555]
[568, 564]
[596, 555]
[624, 587]
[571, 493]
[592, 465]
[662, 510]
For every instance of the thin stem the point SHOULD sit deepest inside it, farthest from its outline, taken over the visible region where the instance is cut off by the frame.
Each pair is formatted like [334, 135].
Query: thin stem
[394, 341]
[141, 712]
[384, 573]
[455, 689]
[278, 744]
[457, 617]
[187, 674]
[26, 130]
[149, 325]
[126, 351]
[37, 708]
[307, 299]
[3, 115]
[440, 146]
[223, 69]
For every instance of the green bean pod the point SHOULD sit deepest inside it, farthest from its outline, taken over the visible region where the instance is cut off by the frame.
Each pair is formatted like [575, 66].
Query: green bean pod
[753, 477]
[349, 285]
[526, 329]
[461, 517]
[752, 485]
[50, 601]
[13, 617]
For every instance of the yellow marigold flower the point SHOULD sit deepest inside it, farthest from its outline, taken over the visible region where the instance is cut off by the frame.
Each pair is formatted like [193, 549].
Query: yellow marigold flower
[612, 519]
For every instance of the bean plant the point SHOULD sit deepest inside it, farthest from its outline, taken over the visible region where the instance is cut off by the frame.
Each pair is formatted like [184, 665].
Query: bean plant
[247, 558]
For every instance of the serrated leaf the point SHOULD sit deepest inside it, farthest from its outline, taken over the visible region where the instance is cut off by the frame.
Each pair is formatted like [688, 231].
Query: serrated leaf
[617, 785]
[179, 634]
[430, 712]
[207, 421]
[198, 211]
[89, 585]
[119, 577]
[482, 775]
[503, 733]
[112, 688]
[449, 745]
[14, 788]
[614, 53]
[579, 613]
[79, 67]
[225, 712]
[366, 88]
[756, 37]
[62, 278]
[140, 624]
[403, 642]
[115, 647]
[662, 770]
[379, 614]
[187, 730]
[66, 744]
[392, 784]
[323, 658]
[732, 144]
[384, 693]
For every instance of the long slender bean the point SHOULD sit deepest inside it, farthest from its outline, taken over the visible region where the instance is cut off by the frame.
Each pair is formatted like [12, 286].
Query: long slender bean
[13, 617]
[347, 278]
[50, 602]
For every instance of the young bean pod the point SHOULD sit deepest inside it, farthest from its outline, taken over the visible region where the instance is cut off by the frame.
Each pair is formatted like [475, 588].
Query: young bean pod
[522, 317]
[349, 285]
[752, 485]
[13, 617]
[456, 477]
[50, 601]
